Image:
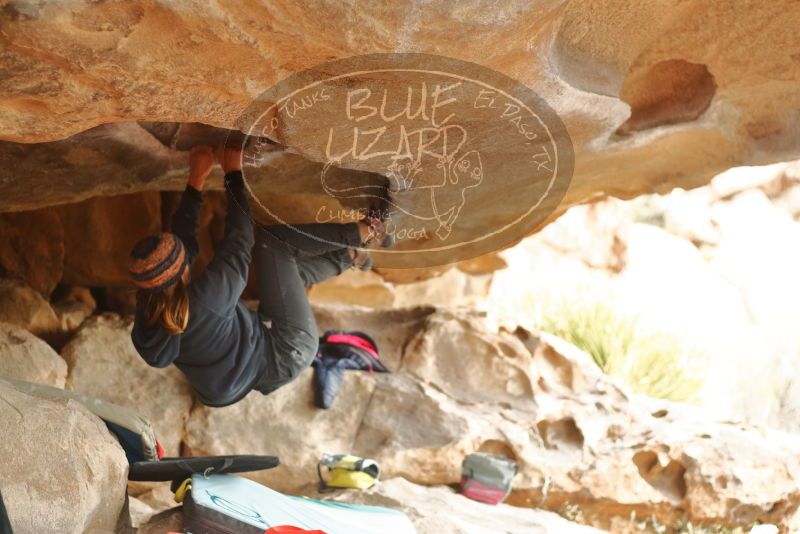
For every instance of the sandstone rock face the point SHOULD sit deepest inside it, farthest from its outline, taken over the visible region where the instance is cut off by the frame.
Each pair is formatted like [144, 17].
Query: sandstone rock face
[139, 512]
[285, 424]
[22, 306]
[32, 248]
[153, 497]
[167, 521]
[23, 356]
[391, 341]
[71, 482]
[100, 233]
[462, 384]
[354, 287]
[104, 363]
[454, 287]
[74, 307]
[440, 510]
[84, 243]
[695, 265]
[631, 86]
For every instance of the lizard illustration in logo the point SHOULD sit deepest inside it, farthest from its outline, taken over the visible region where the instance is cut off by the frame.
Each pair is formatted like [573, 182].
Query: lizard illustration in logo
[433, 185]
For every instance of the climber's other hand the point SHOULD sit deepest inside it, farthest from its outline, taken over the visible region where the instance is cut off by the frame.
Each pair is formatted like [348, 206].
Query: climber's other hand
[201, 161]
[230, 157]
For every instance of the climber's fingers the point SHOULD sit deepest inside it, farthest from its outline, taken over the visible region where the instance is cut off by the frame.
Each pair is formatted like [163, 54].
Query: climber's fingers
[201, 161]
[201, 158]
[230, 157]
[201, 151]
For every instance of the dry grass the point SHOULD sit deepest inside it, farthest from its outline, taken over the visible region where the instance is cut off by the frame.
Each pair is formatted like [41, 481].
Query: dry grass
[650, 363]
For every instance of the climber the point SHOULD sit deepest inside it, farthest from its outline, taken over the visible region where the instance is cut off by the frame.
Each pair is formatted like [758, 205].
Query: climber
[202, 326]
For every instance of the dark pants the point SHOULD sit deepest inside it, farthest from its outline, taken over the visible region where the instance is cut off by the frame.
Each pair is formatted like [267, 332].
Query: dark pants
[288, 259]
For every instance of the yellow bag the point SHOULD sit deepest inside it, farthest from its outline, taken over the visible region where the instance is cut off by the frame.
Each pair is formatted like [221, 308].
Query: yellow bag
[346, 471]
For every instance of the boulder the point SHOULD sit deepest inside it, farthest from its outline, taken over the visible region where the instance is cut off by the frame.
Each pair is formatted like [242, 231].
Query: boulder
[757, 257]
[789, 200]
[542, 279]
[61, 471]
[483, 264]
[414, 431]
[454, 287]
[124, 151]
[167, 521]
[744, 256]
[74, 306]
[663, 273]
[354, 287]
[687, 214]
[99, 234]
[25, 307]
[737, 180]
[637, 89]
[23, 356]
[440, 510]
[140, 512]
[120, 300]
[286, 424]
[155, 497]
[594, 234]
[390, 328]
[32, 248]
[104, 363]
[495, 371]
[462, 383]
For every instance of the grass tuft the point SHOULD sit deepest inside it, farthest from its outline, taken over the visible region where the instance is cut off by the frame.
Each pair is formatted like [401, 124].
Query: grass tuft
[650, 363]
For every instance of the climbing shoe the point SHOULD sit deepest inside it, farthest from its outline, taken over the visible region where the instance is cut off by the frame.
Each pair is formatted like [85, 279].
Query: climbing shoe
[360, 258]
[377, 220]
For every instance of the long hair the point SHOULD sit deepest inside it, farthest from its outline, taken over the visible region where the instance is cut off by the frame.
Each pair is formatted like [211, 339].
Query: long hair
[169, 307]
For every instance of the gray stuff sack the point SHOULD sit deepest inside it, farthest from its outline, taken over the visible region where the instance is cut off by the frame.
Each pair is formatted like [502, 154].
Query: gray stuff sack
[487, 477]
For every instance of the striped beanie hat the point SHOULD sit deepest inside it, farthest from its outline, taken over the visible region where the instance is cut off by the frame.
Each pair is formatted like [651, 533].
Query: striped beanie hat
[156, 262]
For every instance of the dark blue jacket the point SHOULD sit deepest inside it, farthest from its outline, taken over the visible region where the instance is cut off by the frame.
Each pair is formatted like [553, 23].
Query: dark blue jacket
[224, 348]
